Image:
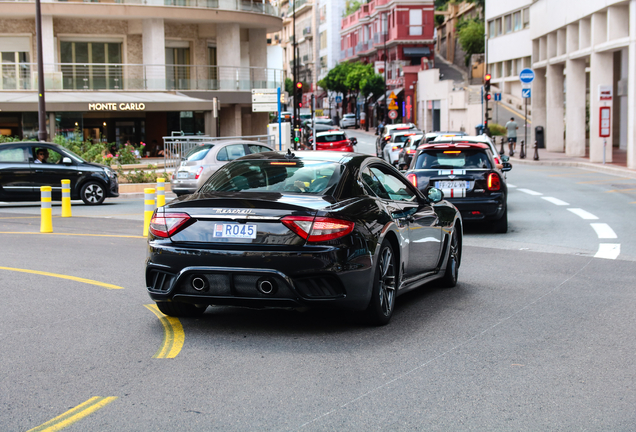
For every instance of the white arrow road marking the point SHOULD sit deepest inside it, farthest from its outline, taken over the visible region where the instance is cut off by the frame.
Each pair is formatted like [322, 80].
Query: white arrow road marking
[555, 201]
[582, 213]
[608, 251]
[511, 185]
[603, 231]
[529, 192]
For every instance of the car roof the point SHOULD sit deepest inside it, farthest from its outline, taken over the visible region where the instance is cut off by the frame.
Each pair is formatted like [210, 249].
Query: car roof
[323, 155]
[454, 145]
[330, 132]
[471, 138]
[349, 115]
[235, 141]
[31, 143]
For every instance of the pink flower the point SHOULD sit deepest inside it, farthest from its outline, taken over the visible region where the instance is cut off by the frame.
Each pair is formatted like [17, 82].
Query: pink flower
[117, 155]
[109, 155]
[143, 144]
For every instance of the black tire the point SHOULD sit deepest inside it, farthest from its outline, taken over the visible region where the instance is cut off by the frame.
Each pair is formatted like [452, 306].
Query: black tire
[93, 193]
[501, 225]
[449, 280]
[383, 294]
[181, 310]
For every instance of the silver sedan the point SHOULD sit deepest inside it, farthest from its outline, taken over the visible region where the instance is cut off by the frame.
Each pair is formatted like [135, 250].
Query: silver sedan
[203, 160]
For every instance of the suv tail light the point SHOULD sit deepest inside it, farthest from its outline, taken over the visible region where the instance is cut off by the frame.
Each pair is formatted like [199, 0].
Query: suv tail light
[412, 178]
[318, 229]
[494, 182]
[167, 224]
[394, 148]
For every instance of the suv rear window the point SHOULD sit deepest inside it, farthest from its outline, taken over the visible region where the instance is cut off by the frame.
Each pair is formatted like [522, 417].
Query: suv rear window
[453, 159]
[329, 138]
[295, 176]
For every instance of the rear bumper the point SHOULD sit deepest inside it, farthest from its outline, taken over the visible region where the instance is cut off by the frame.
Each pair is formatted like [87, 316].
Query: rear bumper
[184, 186]
[480, 209]
[321, 277]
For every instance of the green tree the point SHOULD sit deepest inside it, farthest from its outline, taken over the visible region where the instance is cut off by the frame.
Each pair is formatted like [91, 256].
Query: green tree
[471, 35]
[289, 86]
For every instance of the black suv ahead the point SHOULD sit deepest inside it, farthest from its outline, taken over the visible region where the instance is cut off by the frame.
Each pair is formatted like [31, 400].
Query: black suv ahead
[22, 173]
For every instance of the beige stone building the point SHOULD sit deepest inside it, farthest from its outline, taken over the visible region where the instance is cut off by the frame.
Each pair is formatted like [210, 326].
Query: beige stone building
[137, 69]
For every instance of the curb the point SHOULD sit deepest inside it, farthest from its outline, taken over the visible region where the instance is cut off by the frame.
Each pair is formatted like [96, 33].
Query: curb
[606, 169]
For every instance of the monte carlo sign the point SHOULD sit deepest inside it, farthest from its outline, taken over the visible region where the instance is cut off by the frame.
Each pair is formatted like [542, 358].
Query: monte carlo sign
[111, 106]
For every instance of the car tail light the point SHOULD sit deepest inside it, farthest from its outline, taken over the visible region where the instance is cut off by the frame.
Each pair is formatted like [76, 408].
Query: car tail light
[386, 138]
[198, 173]
[497, 161]
[410, 151]
[167, 224]
[394, 148]
[412, 178]
[318, 229]
[494, 182]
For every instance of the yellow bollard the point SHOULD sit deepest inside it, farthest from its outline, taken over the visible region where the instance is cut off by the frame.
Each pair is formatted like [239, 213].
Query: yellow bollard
[149, 207]
[46, 225]
[66, 198]
[161, 192]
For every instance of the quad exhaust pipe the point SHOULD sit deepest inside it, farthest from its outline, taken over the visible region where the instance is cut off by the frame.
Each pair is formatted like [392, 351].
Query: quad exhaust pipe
[199, 283]
[266, 286]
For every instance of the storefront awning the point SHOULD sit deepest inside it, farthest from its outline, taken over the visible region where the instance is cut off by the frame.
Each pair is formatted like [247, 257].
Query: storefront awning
[102, 101]
[417, 51]
[397, 92]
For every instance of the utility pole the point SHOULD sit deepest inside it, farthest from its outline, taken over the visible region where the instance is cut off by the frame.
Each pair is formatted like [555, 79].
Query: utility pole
[385, 32]
[295, 70]
[41, 103]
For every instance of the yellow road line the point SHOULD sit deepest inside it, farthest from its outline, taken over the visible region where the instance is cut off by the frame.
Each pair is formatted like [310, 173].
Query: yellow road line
[620, 190]
[173, 334]
[74, 234]
[600, 181]
[74, 414]
[61, 276]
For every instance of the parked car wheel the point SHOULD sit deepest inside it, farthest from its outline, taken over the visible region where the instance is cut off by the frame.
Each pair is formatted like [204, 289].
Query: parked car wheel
[501, 226]
[92, 193]
[454, 258]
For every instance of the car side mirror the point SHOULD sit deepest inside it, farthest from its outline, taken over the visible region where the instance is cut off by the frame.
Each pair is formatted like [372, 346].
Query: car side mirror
[354, 140]
[435, 195]
[505, 158]
[66, 160]
[507, 166]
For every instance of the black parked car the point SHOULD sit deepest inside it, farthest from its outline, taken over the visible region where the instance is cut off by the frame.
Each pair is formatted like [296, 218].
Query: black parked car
[467, 174]
[312, 229]
[26, 166]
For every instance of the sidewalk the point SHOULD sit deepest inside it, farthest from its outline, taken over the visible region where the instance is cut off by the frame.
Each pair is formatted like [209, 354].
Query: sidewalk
[618, 166]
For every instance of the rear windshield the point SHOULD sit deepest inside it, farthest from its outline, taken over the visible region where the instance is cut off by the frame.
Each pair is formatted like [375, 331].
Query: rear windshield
[452, 159]
[199, 152]
[330, 138]
[401, 138]
[283, 176]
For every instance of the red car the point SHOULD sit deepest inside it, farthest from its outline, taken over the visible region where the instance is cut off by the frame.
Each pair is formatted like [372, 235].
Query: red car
[334, 140]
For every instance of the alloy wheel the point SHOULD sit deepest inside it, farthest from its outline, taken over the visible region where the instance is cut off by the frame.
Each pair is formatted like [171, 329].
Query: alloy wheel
[93, 193]
[386, 289]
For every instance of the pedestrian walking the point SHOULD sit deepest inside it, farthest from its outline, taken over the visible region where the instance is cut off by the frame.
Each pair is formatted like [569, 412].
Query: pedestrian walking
[512, 127]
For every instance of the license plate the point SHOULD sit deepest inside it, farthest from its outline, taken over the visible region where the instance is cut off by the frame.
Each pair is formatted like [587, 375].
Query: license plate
[234, 231]
[451, 185]
[182, 175]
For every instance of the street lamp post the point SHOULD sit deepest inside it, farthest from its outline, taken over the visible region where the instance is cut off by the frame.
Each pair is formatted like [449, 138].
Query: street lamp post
[41, 103]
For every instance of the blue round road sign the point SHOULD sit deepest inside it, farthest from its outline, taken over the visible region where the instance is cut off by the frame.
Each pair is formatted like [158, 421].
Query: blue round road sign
[526, 76]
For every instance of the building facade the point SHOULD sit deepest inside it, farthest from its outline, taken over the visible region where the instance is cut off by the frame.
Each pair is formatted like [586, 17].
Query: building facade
[137, 71]
[583, 50]
[398, 33]
[508, 46]
[304, 34]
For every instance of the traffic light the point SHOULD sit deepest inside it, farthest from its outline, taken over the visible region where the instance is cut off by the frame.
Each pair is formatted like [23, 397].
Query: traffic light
[487, 83]
[487, 96]
[299, 95]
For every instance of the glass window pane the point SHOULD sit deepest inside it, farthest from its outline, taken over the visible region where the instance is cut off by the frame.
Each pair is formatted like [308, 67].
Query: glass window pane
[81, 52]
[66, 52]
[114, 53]
[8, 57]
[98, 51]
[508, 23]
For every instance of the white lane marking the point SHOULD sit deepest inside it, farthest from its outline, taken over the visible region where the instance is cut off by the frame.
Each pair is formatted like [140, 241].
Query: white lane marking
[529, 192]
[555, 201]
[608, 251]
[582, 213]
[511, 185]
[603, 231]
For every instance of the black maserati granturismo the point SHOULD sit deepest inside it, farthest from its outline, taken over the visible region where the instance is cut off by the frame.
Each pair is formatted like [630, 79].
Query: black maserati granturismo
[310, 229]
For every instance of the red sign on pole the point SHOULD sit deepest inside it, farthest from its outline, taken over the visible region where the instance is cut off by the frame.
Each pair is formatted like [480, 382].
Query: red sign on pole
[604, 122]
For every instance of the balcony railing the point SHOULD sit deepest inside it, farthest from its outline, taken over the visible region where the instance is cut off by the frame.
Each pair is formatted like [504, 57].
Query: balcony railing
[132, 77]
[230, 5]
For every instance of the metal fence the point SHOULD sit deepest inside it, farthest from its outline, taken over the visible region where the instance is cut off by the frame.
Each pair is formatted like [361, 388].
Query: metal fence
[116, 77]
[177, 146]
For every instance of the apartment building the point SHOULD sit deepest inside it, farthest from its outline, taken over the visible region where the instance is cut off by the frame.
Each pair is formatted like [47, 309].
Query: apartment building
[137, 70]
[328, 36]
[581, 48]
[304, 34]
[508, 45]
[398, 31]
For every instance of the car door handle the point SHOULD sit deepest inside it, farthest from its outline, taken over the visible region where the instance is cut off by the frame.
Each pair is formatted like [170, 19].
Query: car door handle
[39, 171]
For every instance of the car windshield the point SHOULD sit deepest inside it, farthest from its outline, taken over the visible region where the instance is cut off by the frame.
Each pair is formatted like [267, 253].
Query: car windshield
[282, 176]
[198, 153]
[329, 138]
[401, 138]
[451, 159]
